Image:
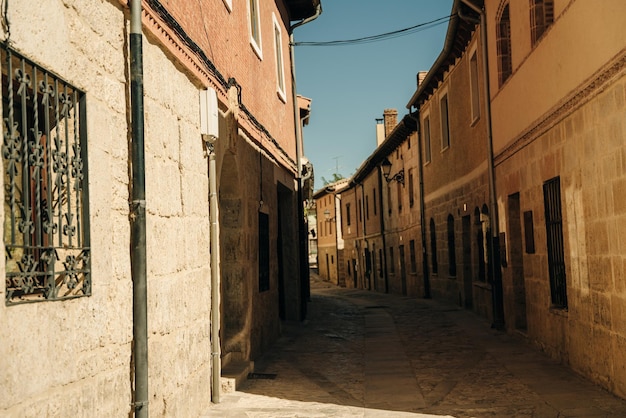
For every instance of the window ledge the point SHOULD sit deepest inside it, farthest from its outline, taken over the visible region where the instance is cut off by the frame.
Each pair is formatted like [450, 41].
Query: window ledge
[564, 312]
[482, 285]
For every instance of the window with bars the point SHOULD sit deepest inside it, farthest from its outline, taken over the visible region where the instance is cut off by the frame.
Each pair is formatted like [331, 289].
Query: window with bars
[445, 122]
[503, 43]
[427, 153]
[451, 247]
[554, 241]
[413, 256]
[541, 17]
[44, 152]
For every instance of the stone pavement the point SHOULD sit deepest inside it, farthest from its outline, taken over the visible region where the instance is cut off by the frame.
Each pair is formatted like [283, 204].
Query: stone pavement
[365, 354]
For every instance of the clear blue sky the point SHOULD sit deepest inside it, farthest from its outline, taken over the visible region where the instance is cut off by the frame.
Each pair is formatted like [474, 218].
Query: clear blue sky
[351, 85]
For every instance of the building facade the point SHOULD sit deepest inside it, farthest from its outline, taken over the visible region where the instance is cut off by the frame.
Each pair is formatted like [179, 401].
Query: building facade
[67, 320]
[517, 205]
[559, 156]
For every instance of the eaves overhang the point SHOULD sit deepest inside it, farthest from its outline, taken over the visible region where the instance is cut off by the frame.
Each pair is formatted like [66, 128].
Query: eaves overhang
[399, 134]
[457, 38]
[301, 9]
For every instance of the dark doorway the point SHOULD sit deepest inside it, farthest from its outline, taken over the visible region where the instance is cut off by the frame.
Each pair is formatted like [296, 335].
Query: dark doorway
[403, 270]
[466, 224]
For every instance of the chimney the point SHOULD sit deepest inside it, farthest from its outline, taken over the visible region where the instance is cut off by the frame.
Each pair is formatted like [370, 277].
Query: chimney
[391, 120]
[420, 77]
[380, 131]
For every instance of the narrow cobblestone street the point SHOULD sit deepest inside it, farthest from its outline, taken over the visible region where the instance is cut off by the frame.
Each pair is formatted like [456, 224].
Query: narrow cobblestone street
[365, 354]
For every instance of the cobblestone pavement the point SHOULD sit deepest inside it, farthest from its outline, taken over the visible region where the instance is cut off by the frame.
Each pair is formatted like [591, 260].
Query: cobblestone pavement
[365, 354]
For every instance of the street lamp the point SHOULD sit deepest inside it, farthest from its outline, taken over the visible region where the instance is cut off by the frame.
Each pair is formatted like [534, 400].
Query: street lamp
[386, 166]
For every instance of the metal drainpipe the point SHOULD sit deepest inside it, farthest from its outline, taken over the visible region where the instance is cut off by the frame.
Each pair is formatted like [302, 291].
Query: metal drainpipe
[216, 370]
[497, 298]
[420, 169]
[382, 226]
[366, 247]
[138, 215]
[305, 289]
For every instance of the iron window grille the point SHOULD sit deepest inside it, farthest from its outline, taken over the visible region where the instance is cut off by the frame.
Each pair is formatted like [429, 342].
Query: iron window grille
[554, 235]
[541, 17]
[44, 153]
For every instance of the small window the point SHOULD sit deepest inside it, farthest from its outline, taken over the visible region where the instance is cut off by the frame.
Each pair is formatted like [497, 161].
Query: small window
[473, 64]
[399, 195]
[413, 256]
[278, 50]
[433, 247]
[46, 208]
[411, 187]
[541, 17]
[445, 123]
[348, 214]
[255, 27]
[367, 207]
[374, 200]
[427, 153]
[503, 43]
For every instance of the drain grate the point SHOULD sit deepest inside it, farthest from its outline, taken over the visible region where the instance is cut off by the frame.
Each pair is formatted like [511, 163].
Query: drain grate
[267, 376]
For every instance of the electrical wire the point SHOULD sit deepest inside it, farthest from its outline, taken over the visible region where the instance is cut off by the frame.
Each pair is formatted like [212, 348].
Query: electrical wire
[381, 37]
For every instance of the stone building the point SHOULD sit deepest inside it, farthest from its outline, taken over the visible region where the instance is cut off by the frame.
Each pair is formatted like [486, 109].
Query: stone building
[329, 234]
[558, 99]
[449, 103]
[519, 174]
[67, 331]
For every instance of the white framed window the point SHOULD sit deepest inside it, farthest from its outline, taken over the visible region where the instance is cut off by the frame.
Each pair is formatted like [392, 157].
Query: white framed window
[278, 52]
[473, 74]
[426, 136]
[255, 26]
[229, 5]
[445, 120]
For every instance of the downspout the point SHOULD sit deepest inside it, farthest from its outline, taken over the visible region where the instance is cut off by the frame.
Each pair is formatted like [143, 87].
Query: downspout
[420, 170]
[498, 298]
[305, 287]
[382, 226]
[365, 243]
[138, 215]
[216, 362]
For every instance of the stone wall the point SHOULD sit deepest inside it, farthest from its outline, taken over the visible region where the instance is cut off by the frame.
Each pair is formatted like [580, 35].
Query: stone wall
[73, 358]
[585, 147]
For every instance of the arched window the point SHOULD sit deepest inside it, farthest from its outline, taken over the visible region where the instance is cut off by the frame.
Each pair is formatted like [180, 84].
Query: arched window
[541, 17]
[433, 246]
[451, 247]
[503, 39]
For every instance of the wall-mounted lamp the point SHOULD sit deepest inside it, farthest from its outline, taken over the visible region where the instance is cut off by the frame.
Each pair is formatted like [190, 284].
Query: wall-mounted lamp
[386, 166]
[327, 216]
